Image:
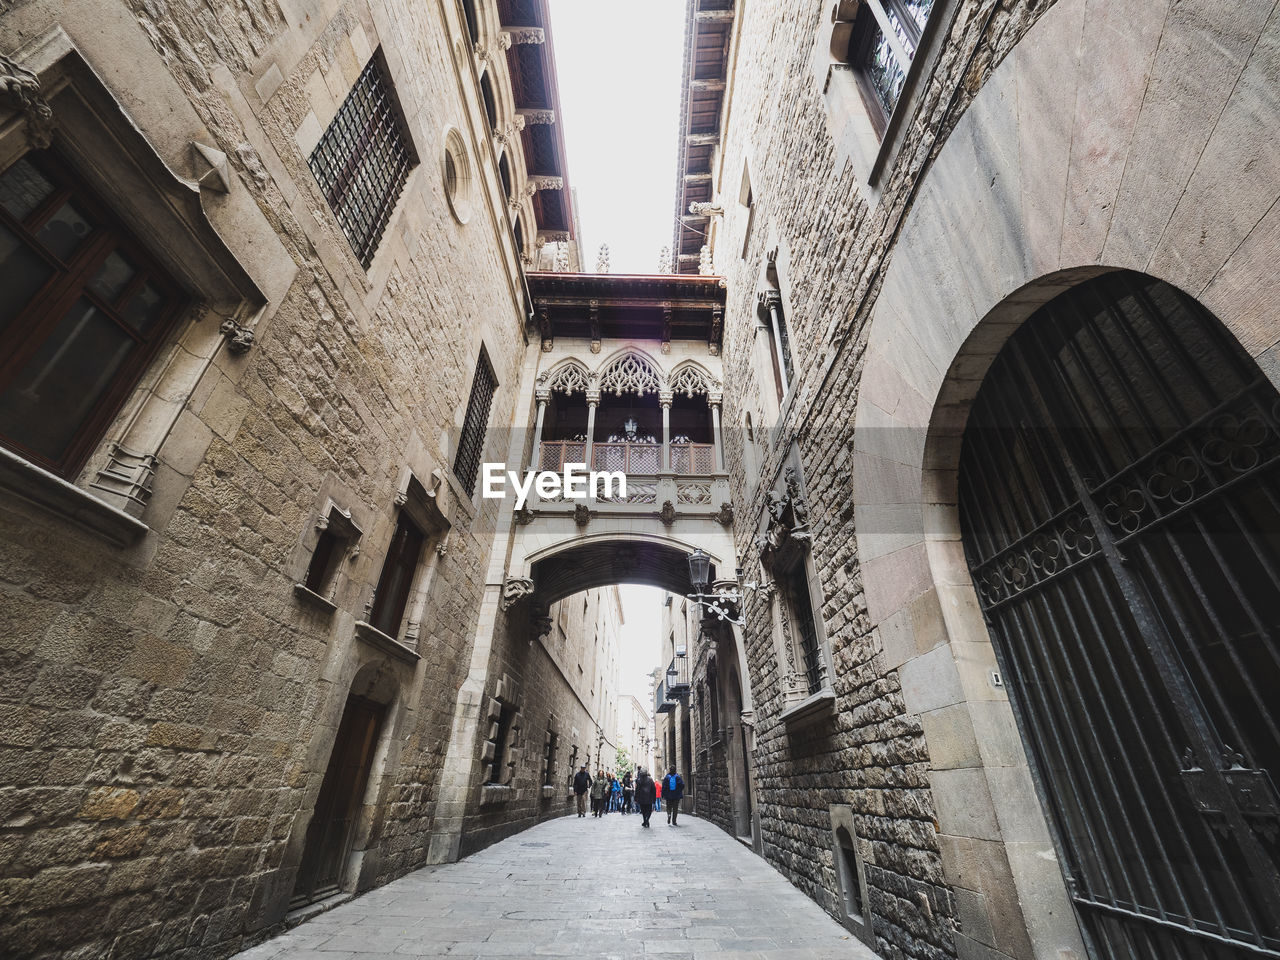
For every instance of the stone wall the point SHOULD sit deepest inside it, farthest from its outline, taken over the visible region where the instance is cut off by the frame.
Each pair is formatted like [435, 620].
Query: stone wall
[169, 708]
[554, 697]
[831, 236]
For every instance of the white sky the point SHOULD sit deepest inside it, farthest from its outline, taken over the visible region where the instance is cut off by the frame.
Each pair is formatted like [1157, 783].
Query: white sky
[642, 613]
[620, 67]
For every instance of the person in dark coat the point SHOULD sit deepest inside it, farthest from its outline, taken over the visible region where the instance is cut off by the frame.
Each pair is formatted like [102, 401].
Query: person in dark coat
[627, 785]
[646, 793]
[673, 793]
[581, 784]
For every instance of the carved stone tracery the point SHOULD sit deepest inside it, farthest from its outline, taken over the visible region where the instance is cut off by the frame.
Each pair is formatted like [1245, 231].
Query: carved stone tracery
[630, 374]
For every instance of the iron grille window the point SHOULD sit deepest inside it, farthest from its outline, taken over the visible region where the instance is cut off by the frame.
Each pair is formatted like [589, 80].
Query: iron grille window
[83, 309]
[470, 448]
[885, 38]
[806, 629]
[364, 159]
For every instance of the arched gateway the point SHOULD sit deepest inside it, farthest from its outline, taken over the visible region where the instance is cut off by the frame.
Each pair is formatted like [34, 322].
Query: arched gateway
[1120, 510]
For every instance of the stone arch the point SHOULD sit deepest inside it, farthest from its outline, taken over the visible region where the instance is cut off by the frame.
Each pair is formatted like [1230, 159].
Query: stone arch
[569, 376]
[582, 562]
[630, 370]
[690, 378]
[1050, 198]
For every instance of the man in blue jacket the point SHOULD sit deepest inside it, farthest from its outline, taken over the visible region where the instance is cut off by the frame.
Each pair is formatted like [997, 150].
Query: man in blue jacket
[672, 793]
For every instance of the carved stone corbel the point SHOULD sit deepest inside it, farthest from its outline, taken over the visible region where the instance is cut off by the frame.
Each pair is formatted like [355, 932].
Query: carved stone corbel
[513, 35]
[515, 589]
[20, 89]
[212, 170]
[239, 337]
[581, 514]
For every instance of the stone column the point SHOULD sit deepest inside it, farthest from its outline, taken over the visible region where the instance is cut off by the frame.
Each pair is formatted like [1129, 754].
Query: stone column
[537, 431]
[664, 463]
[772, 301]
[714, 401]
[593, 401]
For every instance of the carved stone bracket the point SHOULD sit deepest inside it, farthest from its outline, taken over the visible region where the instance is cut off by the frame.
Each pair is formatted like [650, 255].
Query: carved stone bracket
[725, 515]
[537, 116]
[212, 171]
[706, 209]
[20, 89]
[539, 182]
[581, 515]
[540, 627]
[668, 513]
[786, 533]
[524, 516]
[127, 478]
[239, 338]
[513, 35]
[515, 589]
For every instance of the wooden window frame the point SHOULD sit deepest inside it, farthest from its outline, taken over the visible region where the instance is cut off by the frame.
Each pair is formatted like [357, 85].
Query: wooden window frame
[69, 283]
[872, 19]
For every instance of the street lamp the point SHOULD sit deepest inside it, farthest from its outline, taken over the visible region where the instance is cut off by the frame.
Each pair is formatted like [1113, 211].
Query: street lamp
[723, 599]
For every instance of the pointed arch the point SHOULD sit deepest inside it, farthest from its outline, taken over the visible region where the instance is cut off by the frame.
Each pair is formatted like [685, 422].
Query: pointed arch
[630, 371]
[690, 378]
[568, 377]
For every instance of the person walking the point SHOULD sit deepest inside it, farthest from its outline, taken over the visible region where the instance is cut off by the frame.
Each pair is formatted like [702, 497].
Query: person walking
[615, 794]
[646, 794]
[627, 785]
[657, 795]
[673, 790]
[598, 788]
[581, 785]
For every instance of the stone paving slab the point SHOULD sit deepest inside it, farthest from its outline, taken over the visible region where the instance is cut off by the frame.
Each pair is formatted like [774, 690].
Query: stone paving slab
[584, 888]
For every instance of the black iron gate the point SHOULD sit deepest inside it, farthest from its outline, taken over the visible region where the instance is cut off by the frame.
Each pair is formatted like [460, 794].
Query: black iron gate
[1120, 506]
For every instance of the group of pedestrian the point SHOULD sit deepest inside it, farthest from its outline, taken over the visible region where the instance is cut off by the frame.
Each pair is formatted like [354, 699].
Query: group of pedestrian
[608, 793]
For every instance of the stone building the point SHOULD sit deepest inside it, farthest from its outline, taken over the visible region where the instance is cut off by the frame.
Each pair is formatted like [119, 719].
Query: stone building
[1001, 422]
[264, 315]
[635, 731]
[963, 394]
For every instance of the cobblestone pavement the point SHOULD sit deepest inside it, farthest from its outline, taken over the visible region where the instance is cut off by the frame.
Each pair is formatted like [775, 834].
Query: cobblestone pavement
[582, 889]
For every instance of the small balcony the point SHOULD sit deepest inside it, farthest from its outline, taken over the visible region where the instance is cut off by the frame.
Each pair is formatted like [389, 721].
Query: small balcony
[661, 701]
[687, 458]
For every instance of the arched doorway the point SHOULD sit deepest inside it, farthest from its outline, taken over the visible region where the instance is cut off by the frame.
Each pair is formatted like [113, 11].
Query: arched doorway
[1120, 510]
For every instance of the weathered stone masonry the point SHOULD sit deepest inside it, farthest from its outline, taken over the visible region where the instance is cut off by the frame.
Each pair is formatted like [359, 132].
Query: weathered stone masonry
[829, 238]
[168, 708]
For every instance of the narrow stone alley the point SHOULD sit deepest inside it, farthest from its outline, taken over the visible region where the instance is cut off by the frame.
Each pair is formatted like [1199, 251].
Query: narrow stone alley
[584, 889]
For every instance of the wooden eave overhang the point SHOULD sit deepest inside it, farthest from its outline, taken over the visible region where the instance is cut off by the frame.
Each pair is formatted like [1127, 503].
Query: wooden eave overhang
[535, 86]
[659, 307]
[708, 32]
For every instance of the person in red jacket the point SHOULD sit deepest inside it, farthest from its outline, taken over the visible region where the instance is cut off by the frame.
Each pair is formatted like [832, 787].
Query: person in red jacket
[657, 794]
